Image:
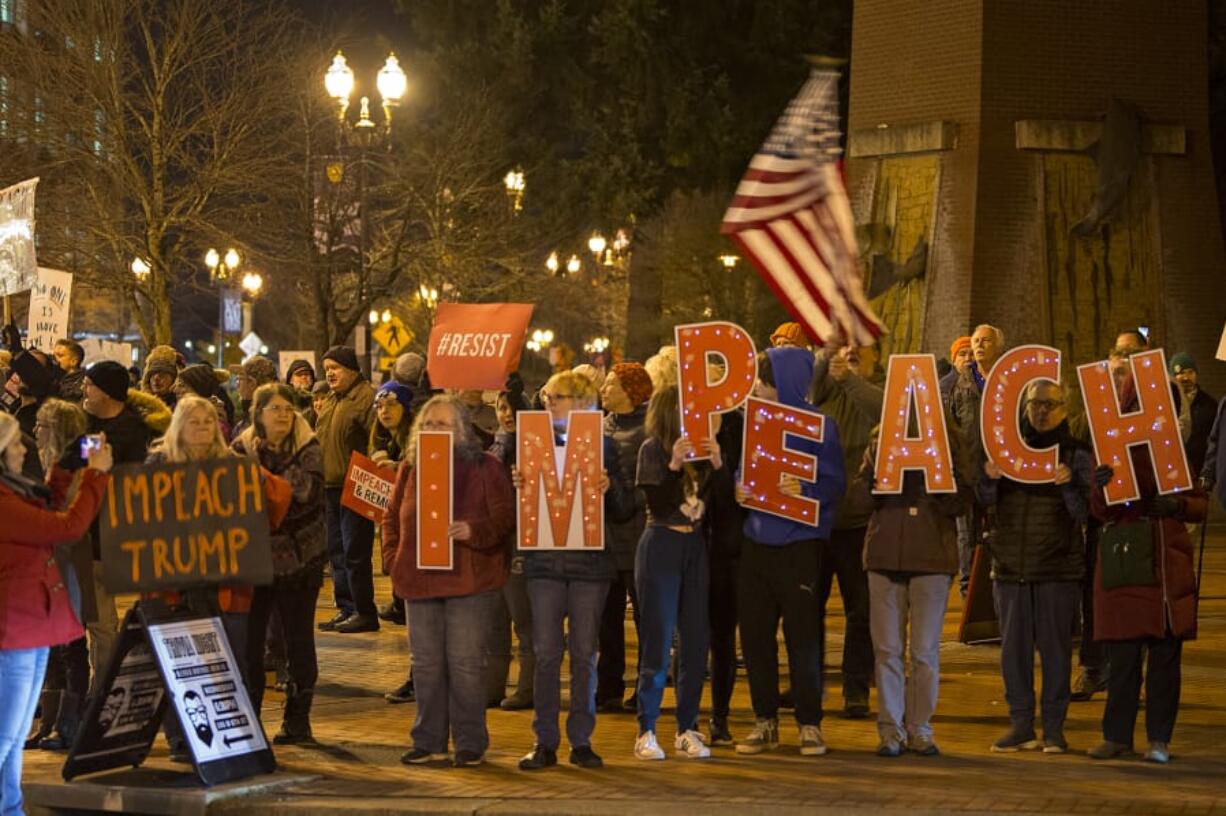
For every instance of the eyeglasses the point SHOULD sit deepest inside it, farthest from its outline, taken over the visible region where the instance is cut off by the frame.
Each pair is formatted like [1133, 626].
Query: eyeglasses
[558, 397]
[1044, 405]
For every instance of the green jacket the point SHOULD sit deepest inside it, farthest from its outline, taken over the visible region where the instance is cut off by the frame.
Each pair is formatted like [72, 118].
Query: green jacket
[343, 427]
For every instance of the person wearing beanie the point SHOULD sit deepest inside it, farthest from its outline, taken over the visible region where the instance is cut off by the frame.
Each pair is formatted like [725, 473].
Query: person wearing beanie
[789, 334]
[343, 426]
[408, 368]
[161, 371]
[253, 373]
[959, 357]
[1197, 410]
[300, 375]
[625, 395]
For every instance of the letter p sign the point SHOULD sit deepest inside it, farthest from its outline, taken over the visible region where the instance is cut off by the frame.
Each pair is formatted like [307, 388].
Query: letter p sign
[703, 391]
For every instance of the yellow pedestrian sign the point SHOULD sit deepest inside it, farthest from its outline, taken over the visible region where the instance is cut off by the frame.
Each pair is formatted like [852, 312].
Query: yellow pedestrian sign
[392, 335]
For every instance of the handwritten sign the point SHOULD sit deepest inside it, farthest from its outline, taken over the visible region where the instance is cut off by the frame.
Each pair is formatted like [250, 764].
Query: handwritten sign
[435, 465]
[766, 458]
[476, 345]
[368, 487]
[18, 266]
[560, 504]
[180, 525]
[698, 346]
[1000, 408]
[97, 350]
[912, 397]
[1155, 424]
[49, 302]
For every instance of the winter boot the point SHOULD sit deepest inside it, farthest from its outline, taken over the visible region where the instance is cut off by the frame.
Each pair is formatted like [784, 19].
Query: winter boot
[48, 707]
[66, 723]
[296, 725]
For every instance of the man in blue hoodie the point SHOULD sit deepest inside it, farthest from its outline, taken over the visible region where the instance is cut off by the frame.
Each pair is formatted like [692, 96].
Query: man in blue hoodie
[780, 570]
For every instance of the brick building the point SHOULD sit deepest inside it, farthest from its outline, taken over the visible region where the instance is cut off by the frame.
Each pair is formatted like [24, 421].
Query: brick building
[975, 145]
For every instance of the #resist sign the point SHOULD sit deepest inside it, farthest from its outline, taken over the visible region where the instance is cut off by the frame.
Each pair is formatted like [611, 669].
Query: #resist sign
[476, 345]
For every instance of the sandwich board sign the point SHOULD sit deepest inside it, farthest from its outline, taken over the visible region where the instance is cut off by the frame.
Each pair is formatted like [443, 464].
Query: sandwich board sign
[180, 660]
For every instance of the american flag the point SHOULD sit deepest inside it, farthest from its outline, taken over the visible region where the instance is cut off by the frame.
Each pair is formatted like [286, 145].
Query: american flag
[792, 219]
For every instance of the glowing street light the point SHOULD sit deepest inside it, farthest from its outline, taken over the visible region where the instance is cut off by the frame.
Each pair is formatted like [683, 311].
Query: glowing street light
[552, 263]
[141, 269]
[221, 267]
[573, 265]
[515, 183]
[729, 261]
[253, 283]
[597, 244]
[426, 295]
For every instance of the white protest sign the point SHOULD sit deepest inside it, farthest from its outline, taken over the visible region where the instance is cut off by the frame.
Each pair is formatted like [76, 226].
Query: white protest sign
[97, 350]
[49, 302]
[285, 358]
[18, 267]
[206, 689]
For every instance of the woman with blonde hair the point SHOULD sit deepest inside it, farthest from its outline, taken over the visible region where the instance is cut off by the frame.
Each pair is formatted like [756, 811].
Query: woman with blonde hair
[567, 588]
[35, 612]
[58, 431]
[449, 610]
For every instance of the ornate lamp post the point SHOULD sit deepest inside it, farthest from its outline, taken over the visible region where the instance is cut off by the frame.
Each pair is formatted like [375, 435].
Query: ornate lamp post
[363, 135]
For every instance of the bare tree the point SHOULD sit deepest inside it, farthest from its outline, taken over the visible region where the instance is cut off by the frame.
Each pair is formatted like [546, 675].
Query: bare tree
[158, 127]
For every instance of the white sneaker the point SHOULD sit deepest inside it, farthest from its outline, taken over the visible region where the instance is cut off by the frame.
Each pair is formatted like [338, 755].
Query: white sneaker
[646, 747]
[811, 742]
[692, 745]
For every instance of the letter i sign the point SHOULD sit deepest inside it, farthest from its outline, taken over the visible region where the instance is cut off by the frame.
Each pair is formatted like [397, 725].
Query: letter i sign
[435, 463]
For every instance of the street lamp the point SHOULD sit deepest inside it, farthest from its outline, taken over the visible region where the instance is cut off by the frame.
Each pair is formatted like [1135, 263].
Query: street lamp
[253, 283]
[552, 263]
[221, 267]
[729, 261]
[515, 183]
[376, 318]
[573, 265]
[597, 244]
[428, 296]
[339, 82]
[141, 269]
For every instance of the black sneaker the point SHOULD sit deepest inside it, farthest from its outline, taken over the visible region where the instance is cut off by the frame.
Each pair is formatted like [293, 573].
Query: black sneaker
[585, 757]
[1055, 743]
[1018, 738]
[517, 702]
[611, 705]
[469, 759]
[357, 623]
[420, 756]
[631, 704]
[720, 735]
[541, 757]
[855, 708]
[404, 694]
[330, 625]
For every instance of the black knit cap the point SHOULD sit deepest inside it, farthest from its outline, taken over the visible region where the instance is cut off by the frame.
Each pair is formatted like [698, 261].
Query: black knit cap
[111, 378]
[343, 356]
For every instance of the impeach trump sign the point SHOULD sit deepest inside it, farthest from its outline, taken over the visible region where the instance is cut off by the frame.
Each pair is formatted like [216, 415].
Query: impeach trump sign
[171, 526]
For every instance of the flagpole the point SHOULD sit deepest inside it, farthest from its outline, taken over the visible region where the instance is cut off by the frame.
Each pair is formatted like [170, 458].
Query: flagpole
[8, 310]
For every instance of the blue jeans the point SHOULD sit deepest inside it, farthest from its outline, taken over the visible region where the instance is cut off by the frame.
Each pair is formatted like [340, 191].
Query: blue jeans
[447, 640]
[351, 540]
[553, 601]
[672, 572]
[21, 679]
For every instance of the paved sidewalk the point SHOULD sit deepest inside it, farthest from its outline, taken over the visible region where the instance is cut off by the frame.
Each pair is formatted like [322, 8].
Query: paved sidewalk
[355, 768]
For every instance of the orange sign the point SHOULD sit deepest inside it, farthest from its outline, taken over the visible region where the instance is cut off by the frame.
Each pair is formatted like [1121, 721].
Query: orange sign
[548, 516]
[911, 382]
[435, 464]
[698, 346]
[476, 345]
[766, 458]
[1000, 408]
[368, 487]
[1155, 423]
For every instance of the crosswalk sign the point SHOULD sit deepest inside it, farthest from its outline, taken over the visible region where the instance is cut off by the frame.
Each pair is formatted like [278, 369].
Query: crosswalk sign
[393, 336]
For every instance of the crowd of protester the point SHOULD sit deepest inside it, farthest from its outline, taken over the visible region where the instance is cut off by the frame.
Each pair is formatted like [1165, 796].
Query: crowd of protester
[692, 564]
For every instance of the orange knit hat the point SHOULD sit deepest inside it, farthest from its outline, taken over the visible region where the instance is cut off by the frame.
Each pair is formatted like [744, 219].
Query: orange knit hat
[959, 344]
[792, 333]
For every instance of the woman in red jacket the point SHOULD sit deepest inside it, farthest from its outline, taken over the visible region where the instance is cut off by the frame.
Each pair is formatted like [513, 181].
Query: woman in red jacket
[449, 610]
[35, 612]
[1144, 622]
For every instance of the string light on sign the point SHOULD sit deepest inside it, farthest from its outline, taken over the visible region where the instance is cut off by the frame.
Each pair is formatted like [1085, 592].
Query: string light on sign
[702, 349]
[768, 459]
[1004, 392]
[911, 382]
[433, 477]
[582, 469]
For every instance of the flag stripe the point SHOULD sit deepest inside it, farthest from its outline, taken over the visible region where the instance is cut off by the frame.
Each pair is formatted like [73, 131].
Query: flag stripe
[793, 289]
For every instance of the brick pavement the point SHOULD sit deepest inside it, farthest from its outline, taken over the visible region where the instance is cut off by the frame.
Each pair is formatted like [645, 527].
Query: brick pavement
[355, 767]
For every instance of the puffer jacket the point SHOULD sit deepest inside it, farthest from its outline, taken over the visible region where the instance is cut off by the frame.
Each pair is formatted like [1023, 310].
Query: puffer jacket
[578, 565]
[1035, 529]
[913, 531]
[299, 544]
[1169, 608]
[628, 432]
